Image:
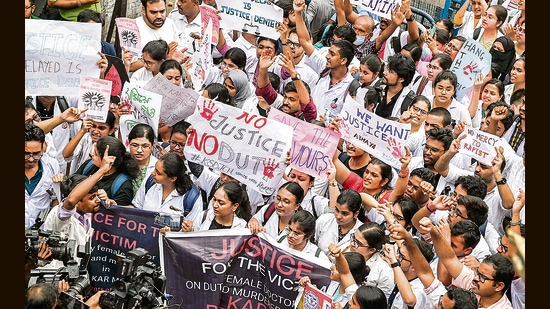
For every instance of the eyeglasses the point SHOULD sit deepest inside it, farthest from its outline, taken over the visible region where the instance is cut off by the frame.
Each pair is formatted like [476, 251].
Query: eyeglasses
[401, 257]
[451, 46]
[356, 243]
[147, 62]
[35, 117]
[419, 111]
[521, 29]
[176, 144]
[457, 213]
[285, 202]
[34, 155]
[137, 146]
[398, 217]
[433, 150]
[290, 232]
[229, 66]
[501, 246]
[291, 44]
[434, 67]
[28, 7]
[482, 277]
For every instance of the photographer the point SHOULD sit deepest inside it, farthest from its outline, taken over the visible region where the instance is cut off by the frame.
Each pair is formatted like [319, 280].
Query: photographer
[45, 296]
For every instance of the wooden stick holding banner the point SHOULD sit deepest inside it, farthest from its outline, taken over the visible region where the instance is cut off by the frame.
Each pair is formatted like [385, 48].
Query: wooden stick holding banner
[312, 146]
[472, 59]
[177, 102]
[261, 17]
[378, 136]
[57, 54]
[247, 147]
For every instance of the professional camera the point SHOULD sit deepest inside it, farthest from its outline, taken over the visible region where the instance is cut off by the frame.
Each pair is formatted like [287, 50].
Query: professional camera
[62, 248]
[141, 285]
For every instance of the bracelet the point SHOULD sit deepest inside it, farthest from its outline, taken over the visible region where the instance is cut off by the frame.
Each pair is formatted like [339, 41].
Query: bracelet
[394, 265]
[515, 223]
[403, 173]
[333, 184]
[430, 208]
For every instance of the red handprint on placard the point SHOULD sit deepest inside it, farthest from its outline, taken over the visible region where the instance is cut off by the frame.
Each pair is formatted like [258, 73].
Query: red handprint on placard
[394, 147]
[344, 129]
[269, 168]
[207, 109]
[469, 69]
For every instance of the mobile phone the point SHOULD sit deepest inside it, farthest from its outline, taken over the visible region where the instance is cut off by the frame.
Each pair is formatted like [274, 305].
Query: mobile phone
[69, 301]
[432, 31]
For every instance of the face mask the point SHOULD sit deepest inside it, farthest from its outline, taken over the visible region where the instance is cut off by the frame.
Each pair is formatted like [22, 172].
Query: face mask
[360, 39]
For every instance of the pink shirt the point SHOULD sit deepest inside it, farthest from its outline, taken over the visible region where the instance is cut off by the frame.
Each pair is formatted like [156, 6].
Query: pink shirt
[464, 280]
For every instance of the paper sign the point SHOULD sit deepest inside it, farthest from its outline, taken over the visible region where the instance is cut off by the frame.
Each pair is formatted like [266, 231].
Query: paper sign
[57, 54]
[95, 95]
[202, 59]
[312, 146]
[128, 35]
[378, 136]
[177, 102]
[313, 298]
[209, 14]
[261, 18]
[378, 7]
[472, 59]
[143, 107]
[248, 147]
[479, 145]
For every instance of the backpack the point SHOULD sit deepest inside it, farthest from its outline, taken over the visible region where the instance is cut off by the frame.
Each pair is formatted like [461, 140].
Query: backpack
[408, 100]
[395, 42]
[189, 198]
[119, 179]
[476, 33]
[63, 105]
[269, 211]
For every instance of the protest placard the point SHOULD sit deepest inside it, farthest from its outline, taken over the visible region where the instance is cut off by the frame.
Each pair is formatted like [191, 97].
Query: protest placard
[57, 54]
[313, 298]
[210, 14]
[116, 73]
[234, 269]
[472, 59]
[143, 107]
[202, 59]
[128, 35]
[259, 17]
[479, 145]
[378, 136]
[95, 95]
[118, 230]
[177, 102]
[247, 147]
[378, 7]
[312, 146]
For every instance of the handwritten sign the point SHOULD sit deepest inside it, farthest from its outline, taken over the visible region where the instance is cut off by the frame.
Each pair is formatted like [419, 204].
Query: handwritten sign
[143, 107]
[128, 35]
[378, 7]
[312, 146]
[248, 147]
[210, 15]
[479, 145]
[57, 54]
[116, 72]
[177, 102]
[202, 59]
[234, 269]
[472, 59]
[95, 95]
[378, 136]
[260, 17]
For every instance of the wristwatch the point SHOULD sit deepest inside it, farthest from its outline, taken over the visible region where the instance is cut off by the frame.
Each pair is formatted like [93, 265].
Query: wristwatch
[393, 265]
[297, 77]
[501, 182]
[411, 18]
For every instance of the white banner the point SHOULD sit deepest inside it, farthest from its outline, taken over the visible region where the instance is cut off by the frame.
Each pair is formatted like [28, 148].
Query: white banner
[143, 107]
[57, 54]
[95, 95]
[248, 147]
[479, 145]
[472, 59]
[378, 136]
[259, 17]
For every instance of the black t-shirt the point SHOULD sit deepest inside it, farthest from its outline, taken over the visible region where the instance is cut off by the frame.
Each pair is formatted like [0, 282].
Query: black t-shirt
[345, 159]
[123, 196]
[384, 109]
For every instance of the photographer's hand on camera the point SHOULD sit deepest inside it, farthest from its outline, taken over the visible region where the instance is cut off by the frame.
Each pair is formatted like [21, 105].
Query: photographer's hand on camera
[93, 301]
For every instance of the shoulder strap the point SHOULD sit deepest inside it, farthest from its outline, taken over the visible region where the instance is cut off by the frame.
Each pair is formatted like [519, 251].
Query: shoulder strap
[62, 103]
[87, 168]
[476, 33]
[189, 199]
[149, 183]
[422, 85]
[313, 207]
[119, 180]
[318, 252]
[269, 211]
[483, 227]
[281, 239]
[215, 187]
[395, 43]
[204, 213]
[407, 101]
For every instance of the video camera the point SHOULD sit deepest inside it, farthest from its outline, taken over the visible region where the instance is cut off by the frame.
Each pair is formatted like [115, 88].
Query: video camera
[141, 285]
